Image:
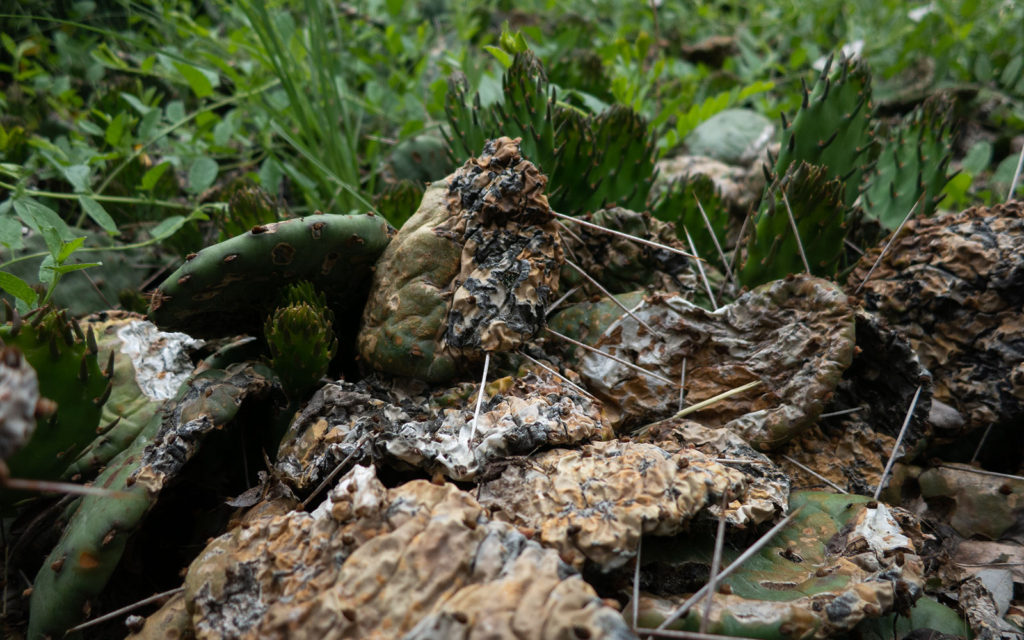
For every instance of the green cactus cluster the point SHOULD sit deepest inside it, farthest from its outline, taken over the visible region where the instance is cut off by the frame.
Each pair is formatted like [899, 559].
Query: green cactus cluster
[248, 206]
[815, 197]
[832, 141]
[592, 161]
[300, 336]
[911, 165]
[832, 128]
[69, 373]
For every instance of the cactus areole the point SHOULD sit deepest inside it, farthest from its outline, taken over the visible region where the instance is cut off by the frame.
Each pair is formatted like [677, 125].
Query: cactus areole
[471, 272]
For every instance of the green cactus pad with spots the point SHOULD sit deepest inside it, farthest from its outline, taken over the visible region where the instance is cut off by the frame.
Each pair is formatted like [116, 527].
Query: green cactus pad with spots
[69, 374]
[228, 288]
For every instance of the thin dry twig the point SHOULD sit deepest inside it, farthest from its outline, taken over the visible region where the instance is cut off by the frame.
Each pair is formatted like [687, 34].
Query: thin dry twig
[716, 562]
[610, 357]
[885, 249]
[814, 473]
[608, 293]
[796, 233]
[553, 372]
[334, 473]
[700, 269]
[51, 486]
[711, 230]
[684, 608]
[125, 609]
[1016, 176]
[650, 243]
[899, 440]
[479, 399]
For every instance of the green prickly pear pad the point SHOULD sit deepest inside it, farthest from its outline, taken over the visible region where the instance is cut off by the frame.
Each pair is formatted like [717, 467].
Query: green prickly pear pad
[471, 272]
[228, 288]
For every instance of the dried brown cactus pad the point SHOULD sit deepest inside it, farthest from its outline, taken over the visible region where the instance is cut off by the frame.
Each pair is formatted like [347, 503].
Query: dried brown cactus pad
[954, 285]
[419, 561]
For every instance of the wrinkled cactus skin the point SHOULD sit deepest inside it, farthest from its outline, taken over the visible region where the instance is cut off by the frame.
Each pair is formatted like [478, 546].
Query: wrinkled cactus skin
[471, 272]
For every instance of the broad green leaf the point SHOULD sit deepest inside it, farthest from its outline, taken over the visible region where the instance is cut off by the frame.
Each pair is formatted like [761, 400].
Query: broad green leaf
[502, 56]
[153, 175]
[18, 288]
[196, 79]
[46, 273]
[53, 240]
[38, 216]
[10, 233]
[67, 268]
[167, 228]
[67, 248]
[147, 127]
[201, 174]
[136, 104]
[978, 157]
[78, 176]
[115, 130]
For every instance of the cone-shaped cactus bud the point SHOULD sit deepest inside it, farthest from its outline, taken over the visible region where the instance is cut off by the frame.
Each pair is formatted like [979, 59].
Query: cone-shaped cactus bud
[300, 335]
[248, 206]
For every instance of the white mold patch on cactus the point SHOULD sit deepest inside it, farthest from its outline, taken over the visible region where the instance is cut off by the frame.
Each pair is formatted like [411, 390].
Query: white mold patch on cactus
[160, 358]
[365, 564]
[795, 336]
[19, 396]
[410, 427]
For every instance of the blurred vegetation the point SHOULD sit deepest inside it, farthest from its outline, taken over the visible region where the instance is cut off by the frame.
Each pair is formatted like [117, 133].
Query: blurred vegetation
[124, 124]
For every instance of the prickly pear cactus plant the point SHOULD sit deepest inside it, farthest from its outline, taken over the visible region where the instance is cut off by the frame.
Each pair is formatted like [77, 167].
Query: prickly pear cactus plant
[300, 334]
[816, 201]
[94, 539]
[69, 374]
[832, 127]
[912, 165]
[221, 289]
[595, 161]
[471, 272]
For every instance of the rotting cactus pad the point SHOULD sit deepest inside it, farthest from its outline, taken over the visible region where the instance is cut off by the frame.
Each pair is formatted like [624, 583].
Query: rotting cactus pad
[471, 272]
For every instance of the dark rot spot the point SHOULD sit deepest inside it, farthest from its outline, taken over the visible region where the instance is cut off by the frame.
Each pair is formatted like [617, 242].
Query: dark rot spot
[282, 253]
[317, 229]
[228, 259]
[258, 229]
[183, 279]
[328, 262]
[190, 257]
[356, 239]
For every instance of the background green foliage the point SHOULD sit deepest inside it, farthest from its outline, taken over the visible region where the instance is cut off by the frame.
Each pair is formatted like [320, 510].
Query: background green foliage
[123, 124]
